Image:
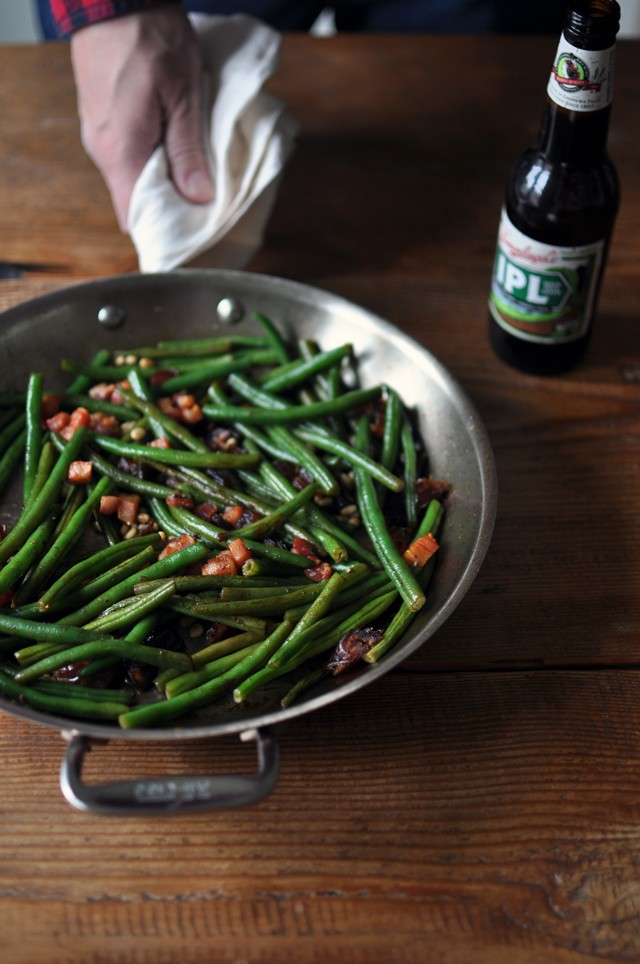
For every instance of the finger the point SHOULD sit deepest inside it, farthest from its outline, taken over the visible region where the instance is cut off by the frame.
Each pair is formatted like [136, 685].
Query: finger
[186, 151]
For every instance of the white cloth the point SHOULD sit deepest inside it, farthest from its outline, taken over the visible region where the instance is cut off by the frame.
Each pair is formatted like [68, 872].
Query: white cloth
[250, 135]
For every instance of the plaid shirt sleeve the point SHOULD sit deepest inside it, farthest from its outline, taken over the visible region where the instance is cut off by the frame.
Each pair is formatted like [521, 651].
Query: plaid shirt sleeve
[69, 15]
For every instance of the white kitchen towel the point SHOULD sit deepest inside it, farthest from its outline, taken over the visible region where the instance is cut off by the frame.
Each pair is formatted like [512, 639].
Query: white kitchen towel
[250, 135]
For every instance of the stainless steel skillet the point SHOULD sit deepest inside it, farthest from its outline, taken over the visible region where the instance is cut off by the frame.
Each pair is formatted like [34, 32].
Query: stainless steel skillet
[125, 311]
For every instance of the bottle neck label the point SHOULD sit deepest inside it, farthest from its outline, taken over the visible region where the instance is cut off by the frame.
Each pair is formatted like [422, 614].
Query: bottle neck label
[541, 292]
[581, 80]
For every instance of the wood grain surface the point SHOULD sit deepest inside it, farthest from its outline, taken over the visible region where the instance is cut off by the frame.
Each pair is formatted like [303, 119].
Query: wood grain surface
[481, 803]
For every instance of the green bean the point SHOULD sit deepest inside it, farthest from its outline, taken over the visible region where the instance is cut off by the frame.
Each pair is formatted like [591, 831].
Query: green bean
[330, 443]
[431, 522]
[197, 459]
[393, 418]
[264, 526]
[82, 595]
[163, 567]
[300, 370]
[330, 592]
[232, 644]
[309, 679]
[270, 606]
[66, 689]
[250, 433]
[276, 554]
[141, 389]
[93, 565]
[128, 482]
[331, 538]
[61, 705]
[48, 632]
[45, 465]
[218, 368]
[303, 455]
[410, 460]
[216, 345]
[374, 522]
[293, 413]
[33, 439]
[273, 336]
[97, 372]
[217, 667]
[138, 607]
[197, 526]
[157, 713]
[162, 658]
[67, 538]
[36, 511]
[28, 553]
[366, 614]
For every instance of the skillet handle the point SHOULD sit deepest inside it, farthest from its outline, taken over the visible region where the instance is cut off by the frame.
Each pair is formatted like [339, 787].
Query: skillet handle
[165, 795]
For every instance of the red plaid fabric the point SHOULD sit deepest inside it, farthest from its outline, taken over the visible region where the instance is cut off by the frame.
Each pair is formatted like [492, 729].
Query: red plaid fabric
[71, 14]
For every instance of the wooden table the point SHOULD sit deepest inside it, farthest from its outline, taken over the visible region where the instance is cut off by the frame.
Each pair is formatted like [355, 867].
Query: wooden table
[483, 805]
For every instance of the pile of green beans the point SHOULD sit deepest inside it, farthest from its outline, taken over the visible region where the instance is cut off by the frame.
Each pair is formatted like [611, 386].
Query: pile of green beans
[319, 475]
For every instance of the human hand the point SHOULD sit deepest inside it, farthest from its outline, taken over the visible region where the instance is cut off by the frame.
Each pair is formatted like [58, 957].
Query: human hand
[138, 79]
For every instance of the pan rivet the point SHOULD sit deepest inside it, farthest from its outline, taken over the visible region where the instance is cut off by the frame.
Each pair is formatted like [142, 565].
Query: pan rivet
[111, 316]
[230, 311]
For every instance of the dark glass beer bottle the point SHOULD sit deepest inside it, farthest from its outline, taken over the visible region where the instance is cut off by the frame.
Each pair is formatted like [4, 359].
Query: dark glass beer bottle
[560, 206]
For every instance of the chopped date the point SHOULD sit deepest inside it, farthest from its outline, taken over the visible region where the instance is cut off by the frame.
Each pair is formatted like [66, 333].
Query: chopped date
[132, 467]
[214, 633]
[140, 677]
[352, 647]
[428, 488]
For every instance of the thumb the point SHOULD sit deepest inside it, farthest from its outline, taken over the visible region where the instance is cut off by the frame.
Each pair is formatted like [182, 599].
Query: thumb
[186, 155]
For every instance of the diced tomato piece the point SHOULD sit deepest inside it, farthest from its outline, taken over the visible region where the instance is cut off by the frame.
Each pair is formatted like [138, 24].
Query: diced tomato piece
[420, 551]
[301, 547]
[221, 565]
[319, 573]
[58, 421]
[184, 400]
[183, 501]
[128, 507]
[176, 544]
[109, 504]
[232, 514]
[239, 551]
[160, 443]
[50, 406]
[79, 473]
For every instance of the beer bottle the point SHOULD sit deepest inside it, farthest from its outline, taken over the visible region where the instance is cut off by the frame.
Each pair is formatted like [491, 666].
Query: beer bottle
[560, 206]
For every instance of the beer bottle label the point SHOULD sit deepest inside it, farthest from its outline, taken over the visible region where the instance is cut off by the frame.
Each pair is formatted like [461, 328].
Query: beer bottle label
[543, 293]
[581, 80]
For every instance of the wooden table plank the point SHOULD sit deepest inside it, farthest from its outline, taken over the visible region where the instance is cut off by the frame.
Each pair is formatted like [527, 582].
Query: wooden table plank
[492, 814]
